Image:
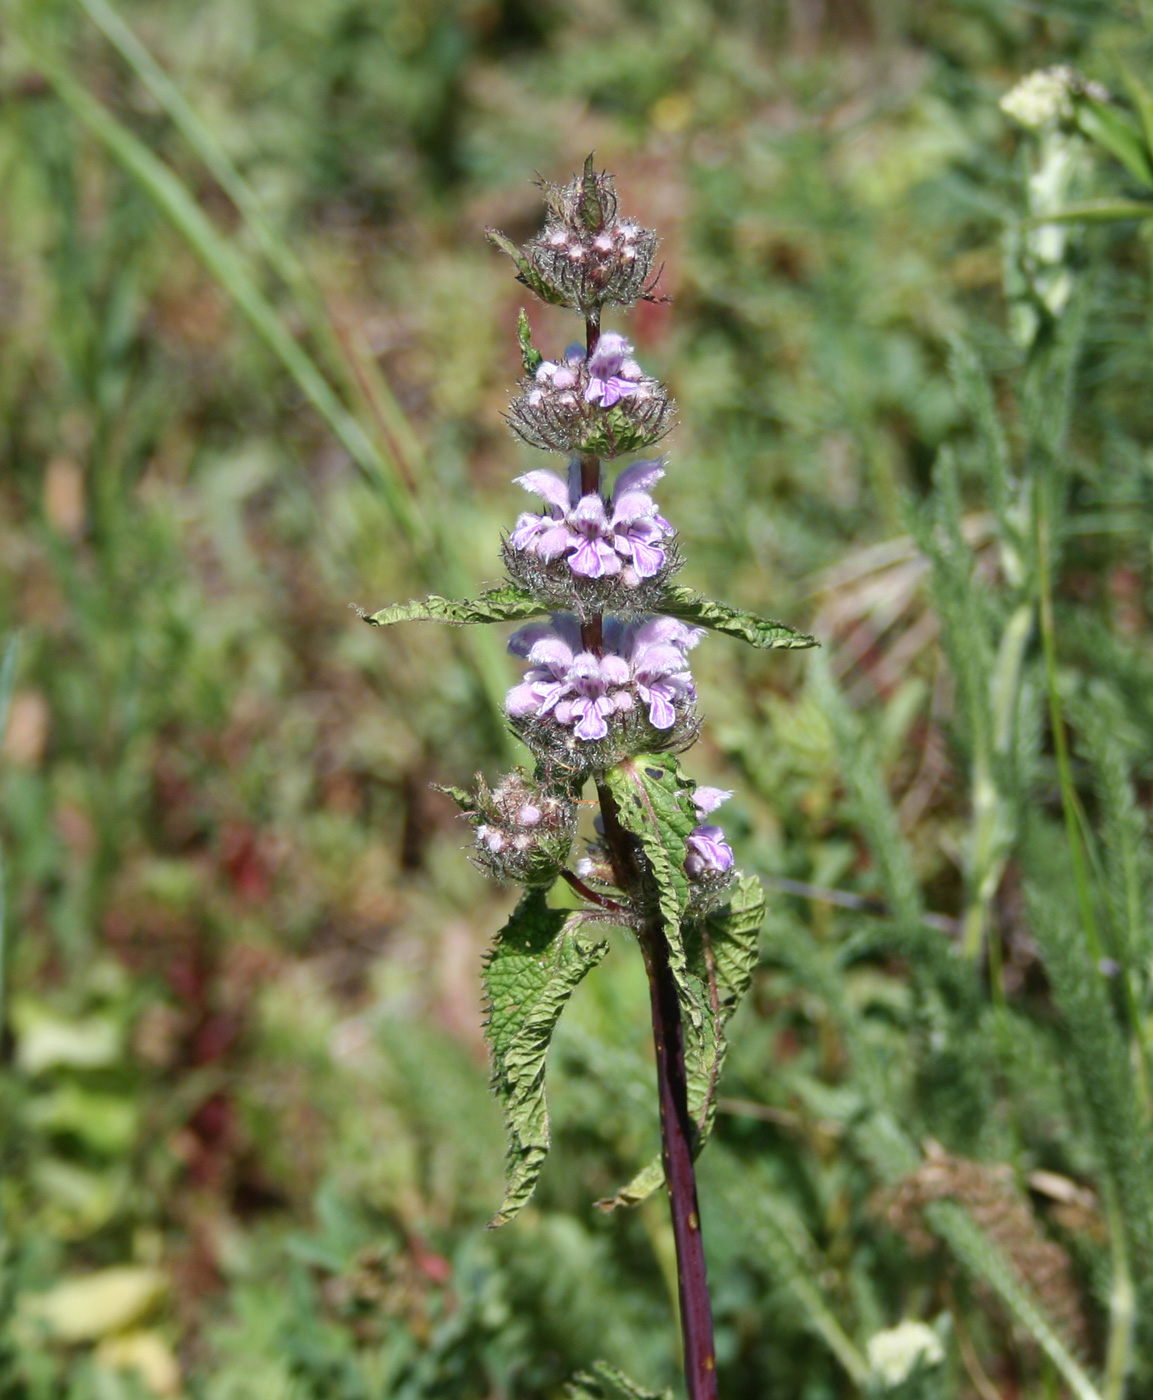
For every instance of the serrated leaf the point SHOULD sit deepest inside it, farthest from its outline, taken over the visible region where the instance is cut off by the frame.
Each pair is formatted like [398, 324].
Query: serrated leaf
[654, 801]
[538, 960]
[530, 356]
[761, 632]
[721, 952]
[525, 272]
[505, 604]
[607, 1383]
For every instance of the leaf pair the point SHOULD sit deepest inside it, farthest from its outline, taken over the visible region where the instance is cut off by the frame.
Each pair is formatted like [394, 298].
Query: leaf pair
[540, 958]
[510, 603]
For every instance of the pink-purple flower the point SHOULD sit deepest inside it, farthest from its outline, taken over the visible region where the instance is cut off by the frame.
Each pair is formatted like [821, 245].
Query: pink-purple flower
[598, 539]
[643, 662]
[708, 851]
[613, 373]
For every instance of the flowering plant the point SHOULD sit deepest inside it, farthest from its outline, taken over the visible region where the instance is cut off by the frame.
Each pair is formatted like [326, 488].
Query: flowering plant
[608, 699]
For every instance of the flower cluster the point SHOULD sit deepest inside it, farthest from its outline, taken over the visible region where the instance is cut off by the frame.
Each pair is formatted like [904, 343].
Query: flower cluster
[601, 403]
[524, 829]
[584, 254]
[639, 687]
[585, 540]
[1046, 98]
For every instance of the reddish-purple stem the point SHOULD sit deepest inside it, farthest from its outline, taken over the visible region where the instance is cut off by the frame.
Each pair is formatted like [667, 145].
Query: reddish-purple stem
[678, 1132]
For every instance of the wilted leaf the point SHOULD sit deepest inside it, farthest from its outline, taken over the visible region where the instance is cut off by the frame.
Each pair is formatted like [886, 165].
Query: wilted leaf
[44, 1039]
[86, 1309]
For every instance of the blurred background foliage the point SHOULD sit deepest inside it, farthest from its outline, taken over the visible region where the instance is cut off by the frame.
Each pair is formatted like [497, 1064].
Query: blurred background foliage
[253, 359]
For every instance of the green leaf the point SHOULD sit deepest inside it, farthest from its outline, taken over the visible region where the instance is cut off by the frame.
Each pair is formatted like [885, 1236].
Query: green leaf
[987, 1262]
[757, 631]
[1096, 211]
[721, 952]
[592, 210]
[654, 801]
[525, 272]
[1116, 132]
[529, 354]
[607, 1383]
[1143, 100]
[537, 962]
[505, 604]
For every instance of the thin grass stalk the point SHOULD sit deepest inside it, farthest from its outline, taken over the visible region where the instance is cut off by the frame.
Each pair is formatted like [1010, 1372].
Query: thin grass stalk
[1121, 1297]
[434, 561]
[7, 683]
[374, 390]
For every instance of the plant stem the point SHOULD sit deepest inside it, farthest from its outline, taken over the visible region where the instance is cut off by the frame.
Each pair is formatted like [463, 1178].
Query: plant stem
[678, 1132]
[677, 1137]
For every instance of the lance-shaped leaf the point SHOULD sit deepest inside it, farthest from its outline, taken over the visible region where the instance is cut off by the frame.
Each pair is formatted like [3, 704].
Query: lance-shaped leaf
[530, 356]
[505, 604]
[607, 1383]
[537, 962]
[707, 612]
[525, 272]
[654, 803]
[721, 952]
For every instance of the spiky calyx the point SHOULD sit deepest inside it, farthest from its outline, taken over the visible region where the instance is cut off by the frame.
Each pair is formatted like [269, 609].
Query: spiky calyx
[524, 829]
[585, 257]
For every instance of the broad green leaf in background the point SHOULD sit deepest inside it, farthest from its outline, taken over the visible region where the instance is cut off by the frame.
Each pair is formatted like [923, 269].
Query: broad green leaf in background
[508, 603]
[1117, 132]
[538, 960]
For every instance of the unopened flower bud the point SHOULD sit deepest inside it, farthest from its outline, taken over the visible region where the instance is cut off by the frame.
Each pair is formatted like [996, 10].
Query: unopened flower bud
[523, 828]
[585, 257]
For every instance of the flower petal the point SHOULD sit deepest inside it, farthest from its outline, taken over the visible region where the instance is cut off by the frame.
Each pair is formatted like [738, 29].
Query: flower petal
[547, 485]
[661, 713]
[639, 477]
[522, 700]
[647, 558]
[708, 799]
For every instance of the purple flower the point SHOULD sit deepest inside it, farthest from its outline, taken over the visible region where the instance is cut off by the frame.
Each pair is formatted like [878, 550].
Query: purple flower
[708, 799]
[643, 660]
[638, 529]
[593, 555]
[581, 528]
[613, 373]
[658, 670]
[708, 852]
